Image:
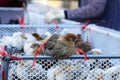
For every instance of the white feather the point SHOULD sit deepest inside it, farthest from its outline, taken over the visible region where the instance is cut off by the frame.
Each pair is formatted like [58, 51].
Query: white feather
[26, 69]
[18, 40]
[65, 71]
[113, 71]
[95, 51]
[17, 34]
[51, 73]
[96, 74]
[6, 40]
[27, 47]
[30, 37]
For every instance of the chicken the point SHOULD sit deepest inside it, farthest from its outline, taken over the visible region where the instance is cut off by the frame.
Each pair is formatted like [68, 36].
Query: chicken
[113, 73]
[25, 71]
[70, 37]
[96, 74]
[84, 46]
[61, 50]
[32, 43]
[30, 38]
[31, 47]
[13, 44]
[50, 44]
[95, 51]
[47, 35]
[66, 71]
[60, 47]
[18, 40]
[5, 40]
[79, 43]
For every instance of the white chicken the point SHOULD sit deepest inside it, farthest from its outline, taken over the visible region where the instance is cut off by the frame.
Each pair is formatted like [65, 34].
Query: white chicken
[31, 44]
[95, 51]
[25, 71]
[7, 40]
[13, 43]
[18, 40]
[30, 38]
[31, 47]
[96, 74]
[113, 73]
[66, 70]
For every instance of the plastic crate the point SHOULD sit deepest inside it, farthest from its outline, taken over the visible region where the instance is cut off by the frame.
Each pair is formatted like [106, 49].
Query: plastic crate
[9, 15]
[98, 67]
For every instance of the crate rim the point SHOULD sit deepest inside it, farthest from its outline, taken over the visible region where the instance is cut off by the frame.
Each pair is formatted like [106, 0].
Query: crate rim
[11, 8]
[40, 25]
[77, 56]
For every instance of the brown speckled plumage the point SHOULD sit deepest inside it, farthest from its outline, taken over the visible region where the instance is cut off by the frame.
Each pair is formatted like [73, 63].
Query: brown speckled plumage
[51, 42]
[62, 46]
[35, 46]
[85, 46]
[59, 49]
[70, 37]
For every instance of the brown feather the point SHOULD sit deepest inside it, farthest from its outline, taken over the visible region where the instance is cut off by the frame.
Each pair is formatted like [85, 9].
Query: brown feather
[35, 46]
[37, 36]
[70, 37]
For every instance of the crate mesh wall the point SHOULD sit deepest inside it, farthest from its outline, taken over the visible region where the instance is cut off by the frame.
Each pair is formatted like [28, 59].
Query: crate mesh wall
[10, 29]
[66, 69]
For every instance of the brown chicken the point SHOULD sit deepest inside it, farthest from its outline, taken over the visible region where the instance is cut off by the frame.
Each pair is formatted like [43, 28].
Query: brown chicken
[50, 44]
[60, 47]
[84, 46]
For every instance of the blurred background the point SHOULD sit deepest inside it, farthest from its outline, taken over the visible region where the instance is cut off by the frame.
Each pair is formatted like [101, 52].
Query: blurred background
[59, 3]
[14, 11]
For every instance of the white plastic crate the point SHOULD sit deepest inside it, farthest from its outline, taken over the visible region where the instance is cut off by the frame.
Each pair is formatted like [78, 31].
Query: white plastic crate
[98, 67]
[103, 38]
[9, 15]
